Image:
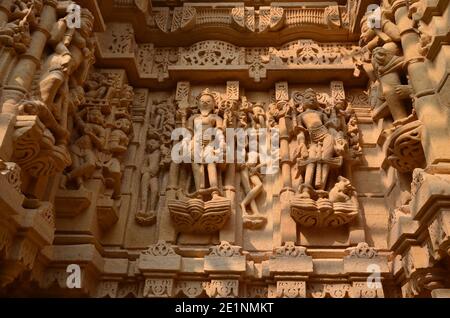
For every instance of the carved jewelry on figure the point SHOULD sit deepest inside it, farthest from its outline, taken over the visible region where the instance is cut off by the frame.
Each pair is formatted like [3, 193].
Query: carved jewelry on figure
[322, 146]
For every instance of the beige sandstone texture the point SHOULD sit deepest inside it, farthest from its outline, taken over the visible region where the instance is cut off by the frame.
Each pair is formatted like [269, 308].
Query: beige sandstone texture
[355, 104]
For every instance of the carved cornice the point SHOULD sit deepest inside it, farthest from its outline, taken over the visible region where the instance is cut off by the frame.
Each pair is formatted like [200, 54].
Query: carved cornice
[242, 21]
[164, 65]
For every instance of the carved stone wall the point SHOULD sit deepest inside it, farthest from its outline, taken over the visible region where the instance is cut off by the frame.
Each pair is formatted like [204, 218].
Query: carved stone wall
[334, 181]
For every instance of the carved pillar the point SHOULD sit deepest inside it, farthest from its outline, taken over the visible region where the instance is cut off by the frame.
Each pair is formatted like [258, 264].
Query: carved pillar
[228, 233]
[21, 77]
[429, 111]
[288, 227]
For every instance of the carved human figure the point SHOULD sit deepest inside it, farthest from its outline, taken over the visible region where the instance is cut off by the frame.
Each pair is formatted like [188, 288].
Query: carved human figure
[97, 85]
[258, 116]
[336, 125]
[84, 161]
[253, 187]
[119, 137]
[62, 63]
[16, 33]
[203, 124]
[387, 35]
[149, 181]
[84, 149]
[312, 121]
[387, 67]
[38, 108]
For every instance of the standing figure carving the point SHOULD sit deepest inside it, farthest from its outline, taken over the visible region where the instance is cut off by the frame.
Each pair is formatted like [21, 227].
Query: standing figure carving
[205, 210]
[323, 142]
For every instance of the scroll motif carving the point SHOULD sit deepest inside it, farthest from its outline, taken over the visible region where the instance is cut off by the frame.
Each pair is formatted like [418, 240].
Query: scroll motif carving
[269, 18]
[291, 289]
[191, 289]
[158, 287]
[11, 171]
[225, 249]
[362, 250]
[290, 250]
[161, 248]
[222, 288]
[405, 152]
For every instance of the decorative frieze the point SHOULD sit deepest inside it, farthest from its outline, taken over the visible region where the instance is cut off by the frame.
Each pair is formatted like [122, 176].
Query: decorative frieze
[157, 62]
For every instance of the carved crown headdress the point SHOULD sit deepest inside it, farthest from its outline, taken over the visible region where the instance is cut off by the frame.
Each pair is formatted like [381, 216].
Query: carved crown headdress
[215, 96]
[206, 91]
[309, 91]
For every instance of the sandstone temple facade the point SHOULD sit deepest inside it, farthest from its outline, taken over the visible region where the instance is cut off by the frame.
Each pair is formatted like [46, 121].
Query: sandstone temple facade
[354, 96]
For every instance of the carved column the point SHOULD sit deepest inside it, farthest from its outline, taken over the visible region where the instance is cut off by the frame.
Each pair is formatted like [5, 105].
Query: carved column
[429, 110]
[288, 227]
[22, 75]
[228, 233]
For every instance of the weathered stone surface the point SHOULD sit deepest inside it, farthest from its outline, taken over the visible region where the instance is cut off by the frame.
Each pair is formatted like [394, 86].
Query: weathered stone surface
[224, 149]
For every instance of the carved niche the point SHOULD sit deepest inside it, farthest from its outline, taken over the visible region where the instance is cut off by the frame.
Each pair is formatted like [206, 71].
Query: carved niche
[157, 158]
[205, 189]
[205, 210]
[324, 145]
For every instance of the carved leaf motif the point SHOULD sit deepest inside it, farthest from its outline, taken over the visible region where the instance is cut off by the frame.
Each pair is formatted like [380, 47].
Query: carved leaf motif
[276, 17]
[264, 18]
[188, 17]
[405, 151]
[191, 289]
[237, 14]
[162, 19]
[225, 249]
[250, 19]
[161, 248]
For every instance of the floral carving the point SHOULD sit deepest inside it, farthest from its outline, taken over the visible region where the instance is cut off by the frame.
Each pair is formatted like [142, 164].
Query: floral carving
[225, 249]
[289, 250]
[161, 248]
